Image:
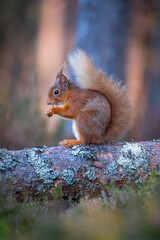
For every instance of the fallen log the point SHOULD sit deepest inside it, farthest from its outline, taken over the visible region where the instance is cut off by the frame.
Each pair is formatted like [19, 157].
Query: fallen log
[80, 170]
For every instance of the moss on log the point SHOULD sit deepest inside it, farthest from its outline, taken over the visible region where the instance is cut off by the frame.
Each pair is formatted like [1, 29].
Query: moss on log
[80, 170]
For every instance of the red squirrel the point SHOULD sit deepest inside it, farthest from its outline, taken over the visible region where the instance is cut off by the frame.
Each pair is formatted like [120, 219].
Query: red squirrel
[100, 108]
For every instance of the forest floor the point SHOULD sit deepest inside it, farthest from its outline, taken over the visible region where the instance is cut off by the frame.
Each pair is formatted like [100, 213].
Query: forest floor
[129, 213]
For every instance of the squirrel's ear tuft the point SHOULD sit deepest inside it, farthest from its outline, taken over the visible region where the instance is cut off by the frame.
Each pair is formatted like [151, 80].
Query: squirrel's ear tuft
[65, 81]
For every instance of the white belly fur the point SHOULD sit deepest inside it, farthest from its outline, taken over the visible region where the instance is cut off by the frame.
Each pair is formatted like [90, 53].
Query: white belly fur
[76, 134]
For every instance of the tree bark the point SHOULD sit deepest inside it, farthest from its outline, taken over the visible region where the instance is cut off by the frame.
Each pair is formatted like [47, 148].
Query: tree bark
[105, 37]
[80, 170]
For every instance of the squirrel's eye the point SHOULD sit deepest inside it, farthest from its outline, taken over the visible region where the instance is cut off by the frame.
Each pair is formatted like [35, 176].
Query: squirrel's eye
[56, 92]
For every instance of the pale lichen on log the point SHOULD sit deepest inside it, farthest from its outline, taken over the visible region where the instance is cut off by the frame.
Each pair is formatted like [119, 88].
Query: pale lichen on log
[80, 170]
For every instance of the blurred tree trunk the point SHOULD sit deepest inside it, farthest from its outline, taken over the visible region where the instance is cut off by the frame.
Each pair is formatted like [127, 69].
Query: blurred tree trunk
[102, 31]
[55, 40]
[137, 65]
[151, 128]
[19, 113]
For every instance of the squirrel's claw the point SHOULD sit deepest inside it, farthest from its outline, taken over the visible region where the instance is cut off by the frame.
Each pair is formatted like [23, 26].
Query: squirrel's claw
[49, 113]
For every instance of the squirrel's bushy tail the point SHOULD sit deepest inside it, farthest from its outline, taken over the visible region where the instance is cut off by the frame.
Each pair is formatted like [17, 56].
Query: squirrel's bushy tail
[90, 77]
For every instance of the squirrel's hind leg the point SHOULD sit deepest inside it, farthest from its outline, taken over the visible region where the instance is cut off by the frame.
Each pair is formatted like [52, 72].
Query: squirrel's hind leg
[91, 127]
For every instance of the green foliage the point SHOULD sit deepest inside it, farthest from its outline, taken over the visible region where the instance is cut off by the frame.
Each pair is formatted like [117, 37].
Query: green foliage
[154, 174]
[57, 193]
[129, 213]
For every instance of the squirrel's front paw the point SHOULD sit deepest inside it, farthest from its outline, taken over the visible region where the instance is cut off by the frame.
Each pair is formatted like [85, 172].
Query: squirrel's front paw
[49, 113]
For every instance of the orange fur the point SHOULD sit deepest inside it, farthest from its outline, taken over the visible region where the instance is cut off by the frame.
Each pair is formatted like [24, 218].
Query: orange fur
[71, 142]
[90, 77]
[100, 110]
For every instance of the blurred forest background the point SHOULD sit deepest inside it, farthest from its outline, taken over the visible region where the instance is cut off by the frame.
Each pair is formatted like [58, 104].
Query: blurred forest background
[35, 38]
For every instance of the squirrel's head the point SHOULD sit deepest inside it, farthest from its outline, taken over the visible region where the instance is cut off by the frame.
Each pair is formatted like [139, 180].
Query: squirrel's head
[60, 90]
